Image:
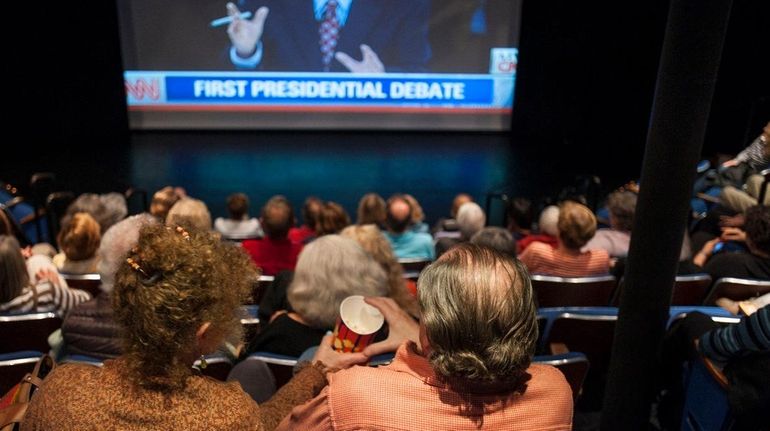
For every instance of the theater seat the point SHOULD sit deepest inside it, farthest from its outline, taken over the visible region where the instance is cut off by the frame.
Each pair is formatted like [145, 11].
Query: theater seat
[573, 291]
[13, 367]
[27, 331]
[737, 289]
[88, 282]
[705, 405]
[574, 366]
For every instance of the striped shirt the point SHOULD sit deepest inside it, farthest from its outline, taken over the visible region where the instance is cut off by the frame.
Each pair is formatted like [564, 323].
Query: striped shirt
[541, 258]
[754, 155]
[752, 334]
[45, 296]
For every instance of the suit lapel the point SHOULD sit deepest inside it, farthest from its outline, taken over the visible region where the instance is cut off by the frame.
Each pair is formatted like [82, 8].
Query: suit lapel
[362, 19]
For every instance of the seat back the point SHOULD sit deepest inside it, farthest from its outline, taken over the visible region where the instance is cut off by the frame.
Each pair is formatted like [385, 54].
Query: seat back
[705, 405]
[690, 289]
[260, 287]
[281, 366]
[573, 291]
[413, 266]
[588, 331]
[14, 366]
[217, 366]
[574, 366]
[88, 282]
[737, 289]
[56, 205]
[27, 331]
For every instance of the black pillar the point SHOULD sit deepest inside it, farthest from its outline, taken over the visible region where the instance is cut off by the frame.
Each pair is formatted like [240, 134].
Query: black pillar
[689, 61]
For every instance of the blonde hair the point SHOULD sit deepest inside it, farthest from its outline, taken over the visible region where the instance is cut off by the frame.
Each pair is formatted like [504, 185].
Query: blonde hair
[577, 225]
[79, 238]
[330, 269]
[162, 201]
[189, 212]
[374, 242]
[371, 209]
[417, 214]
[331, 219]
[172, 283]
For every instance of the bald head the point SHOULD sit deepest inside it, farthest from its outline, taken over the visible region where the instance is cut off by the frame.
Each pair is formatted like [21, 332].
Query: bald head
[399, 214]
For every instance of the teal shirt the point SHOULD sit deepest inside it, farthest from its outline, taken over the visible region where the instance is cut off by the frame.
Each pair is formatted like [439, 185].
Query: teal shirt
[412, 245]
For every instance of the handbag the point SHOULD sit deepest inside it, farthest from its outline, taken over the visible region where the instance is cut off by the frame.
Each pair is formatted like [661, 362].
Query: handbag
[13, 405]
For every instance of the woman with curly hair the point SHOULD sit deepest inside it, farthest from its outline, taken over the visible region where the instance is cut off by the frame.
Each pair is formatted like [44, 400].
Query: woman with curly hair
[176, 298]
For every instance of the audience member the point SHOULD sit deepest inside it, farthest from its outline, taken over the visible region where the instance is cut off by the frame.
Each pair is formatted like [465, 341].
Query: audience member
[447, 227]
[470, 219]
[189, 212]
[329, 269]
[238, 225]
[90, 328]
[418, 216]
[371, 239]
[20, 294]
[496, 238]
[275, 252]
[78, 240]
[547, 228]
[170, 302]
[331, 219]
[520, 216]
[406, 243]
[162, 201]
[371, 210]
[616, 239]
[467, 365]
[577, 225]
[310, 212]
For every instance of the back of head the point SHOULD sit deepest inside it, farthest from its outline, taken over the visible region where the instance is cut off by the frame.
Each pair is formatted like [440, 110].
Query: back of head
[520, 213]
[622, 206]
[470, 219]
[458, 201]
[92, 204]
[238, 206]
[310, 211]
[496, 238]
[162, 201]
[13, 270]
[479, 315]
[5, 224]
[371, 210]
[330, 269]
[172, 283]
[757, 227]
[80, 237]
[399, 214]
[549, 221]
[577, 225]
[277, 217]
[189, 212]
[115, 245]
[115, 209]
[417, 214]
[331, 219]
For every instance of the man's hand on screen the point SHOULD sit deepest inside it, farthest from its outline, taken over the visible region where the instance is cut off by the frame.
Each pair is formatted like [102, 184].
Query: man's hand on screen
[369, 64]
[245, 34]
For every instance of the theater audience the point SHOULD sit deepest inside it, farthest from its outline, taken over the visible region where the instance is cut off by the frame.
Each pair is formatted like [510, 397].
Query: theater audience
[371, 239]
[307, 231]
[44, 291]
[470, 219]
[467, 365]
[106, 209]
[89, 328]
[275, 252]
[496, 238]
[329, 269]
[189, 212]
[238, 225]
[577, 225]
[170, 301]
[78, 241]
[547, 230]
[405, 242]
[371, 210]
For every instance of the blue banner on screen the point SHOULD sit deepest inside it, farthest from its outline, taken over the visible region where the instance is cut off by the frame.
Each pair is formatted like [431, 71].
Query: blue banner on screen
[392, 90]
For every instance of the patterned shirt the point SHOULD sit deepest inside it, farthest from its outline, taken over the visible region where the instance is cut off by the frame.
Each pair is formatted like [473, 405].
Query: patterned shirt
[754, 155]
[750, 335]
[541, 258]
[45, 296]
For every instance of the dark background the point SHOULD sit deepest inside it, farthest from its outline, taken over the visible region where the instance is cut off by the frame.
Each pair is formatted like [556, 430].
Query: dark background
[585, 82]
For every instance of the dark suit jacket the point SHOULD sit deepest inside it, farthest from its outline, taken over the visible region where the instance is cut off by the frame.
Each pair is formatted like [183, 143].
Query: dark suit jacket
[397, 30]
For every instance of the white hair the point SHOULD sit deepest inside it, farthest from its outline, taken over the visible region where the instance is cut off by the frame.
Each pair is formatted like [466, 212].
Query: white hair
[115, 245]
[189, 212]
[470, 219]
[549, 221]
[330, 269]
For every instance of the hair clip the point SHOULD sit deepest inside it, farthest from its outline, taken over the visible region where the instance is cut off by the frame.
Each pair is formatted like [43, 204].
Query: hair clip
[136, 266]
[180, 230]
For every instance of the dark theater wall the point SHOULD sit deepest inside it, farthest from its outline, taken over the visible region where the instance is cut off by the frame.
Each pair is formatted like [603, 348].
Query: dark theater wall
[584, 89]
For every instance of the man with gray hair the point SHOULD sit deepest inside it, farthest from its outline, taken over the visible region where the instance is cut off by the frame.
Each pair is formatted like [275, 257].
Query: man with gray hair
[466, 365]
[470, 219]
[89, 328]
